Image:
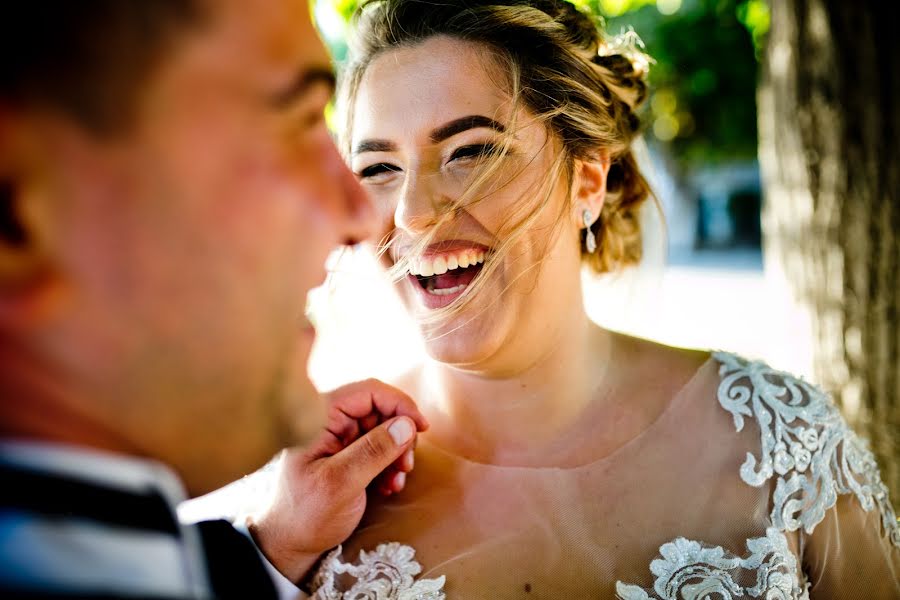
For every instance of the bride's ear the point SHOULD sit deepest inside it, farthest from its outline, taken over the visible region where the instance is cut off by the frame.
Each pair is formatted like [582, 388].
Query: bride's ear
[589, 186]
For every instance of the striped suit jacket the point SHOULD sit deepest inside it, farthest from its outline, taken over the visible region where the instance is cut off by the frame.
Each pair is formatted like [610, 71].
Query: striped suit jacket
[78, 524]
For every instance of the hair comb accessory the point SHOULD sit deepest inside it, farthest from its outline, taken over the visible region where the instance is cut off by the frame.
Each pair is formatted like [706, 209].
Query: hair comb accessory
[629, 45]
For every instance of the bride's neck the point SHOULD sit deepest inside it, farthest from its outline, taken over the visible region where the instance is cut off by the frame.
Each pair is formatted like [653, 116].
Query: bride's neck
[507, 419]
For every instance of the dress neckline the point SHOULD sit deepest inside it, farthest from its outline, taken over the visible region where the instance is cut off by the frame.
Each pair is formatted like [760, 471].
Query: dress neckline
[677, 400]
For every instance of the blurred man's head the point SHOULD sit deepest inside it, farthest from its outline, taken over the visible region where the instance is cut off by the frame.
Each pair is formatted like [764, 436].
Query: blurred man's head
[168, 195]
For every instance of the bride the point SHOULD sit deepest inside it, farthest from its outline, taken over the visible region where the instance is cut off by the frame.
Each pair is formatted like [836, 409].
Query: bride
[565, 460]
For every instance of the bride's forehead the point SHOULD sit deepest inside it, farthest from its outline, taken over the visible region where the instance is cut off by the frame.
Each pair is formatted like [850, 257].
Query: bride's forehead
[439, 58]
[422, 84]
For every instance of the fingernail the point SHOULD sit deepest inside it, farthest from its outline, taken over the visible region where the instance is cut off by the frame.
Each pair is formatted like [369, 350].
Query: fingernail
[400, 480]
[410, 459]
[401, 431]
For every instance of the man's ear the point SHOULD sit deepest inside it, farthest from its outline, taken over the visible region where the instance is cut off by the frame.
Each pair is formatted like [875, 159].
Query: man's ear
[589, 186]
[26, 266]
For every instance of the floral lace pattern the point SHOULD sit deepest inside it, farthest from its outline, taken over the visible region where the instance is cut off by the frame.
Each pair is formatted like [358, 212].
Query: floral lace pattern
[805, 442]
[388, 573]
[690, 571]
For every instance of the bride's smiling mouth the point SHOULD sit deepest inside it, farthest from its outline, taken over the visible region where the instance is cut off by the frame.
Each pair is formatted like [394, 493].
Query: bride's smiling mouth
[443, 273]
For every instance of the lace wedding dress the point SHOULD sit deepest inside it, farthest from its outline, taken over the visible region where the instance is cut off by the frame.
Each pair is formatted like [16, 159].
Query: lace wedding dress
[749, 485]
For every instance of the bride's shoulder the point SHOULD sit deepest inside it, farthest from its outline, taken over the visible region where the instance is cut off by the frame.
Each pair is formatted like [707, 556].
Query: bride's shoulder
[804, 447]
[788, 417]
[650, 364]
[746, 389]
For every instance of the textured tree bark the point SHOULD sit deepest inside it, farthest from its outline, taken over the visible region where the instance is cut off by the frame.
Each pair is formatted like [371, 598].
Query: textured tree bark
[829, 122]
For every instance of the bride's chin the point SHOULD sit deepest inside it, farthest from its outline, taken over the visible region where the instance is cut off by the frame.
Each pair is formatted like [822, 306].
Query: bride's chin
[462, 345]
[464, 341]
[462, 356]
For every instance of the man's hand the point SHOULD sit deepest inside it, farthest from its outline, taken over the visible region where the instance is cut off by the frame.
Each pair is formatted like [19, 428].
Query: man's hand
[321, 493]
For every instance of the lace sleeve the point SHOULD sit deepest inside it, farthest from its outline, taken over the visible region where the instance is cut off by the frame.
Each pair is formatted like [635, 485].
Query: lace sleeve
[826, 481]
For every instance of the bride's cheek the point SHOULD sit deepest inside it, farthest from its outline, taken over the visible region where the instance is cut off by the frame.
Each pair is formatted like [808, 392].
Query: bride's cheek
[386, 205]
[381, 241]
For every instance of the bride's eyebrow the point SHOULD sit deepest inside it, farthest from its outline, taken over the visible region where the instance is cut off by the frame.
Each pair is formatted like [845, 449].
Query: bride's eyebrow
[375, 146]
[464, 124]
[440, 134]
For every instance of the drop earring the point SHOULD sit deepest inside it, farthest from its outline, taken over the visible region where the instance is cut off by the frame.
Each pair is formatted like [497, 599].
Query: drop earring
[590, 240]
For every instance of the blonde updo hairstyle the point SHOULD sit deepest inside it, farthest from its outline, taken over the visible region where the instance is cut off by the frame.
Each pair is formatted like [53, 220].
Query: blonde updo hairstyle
[584, 87]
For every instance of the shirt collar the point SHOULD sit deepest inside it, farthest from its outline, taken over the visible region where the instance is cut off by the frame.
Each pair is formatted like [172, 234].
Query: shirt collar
[127, 473]
[118, 471]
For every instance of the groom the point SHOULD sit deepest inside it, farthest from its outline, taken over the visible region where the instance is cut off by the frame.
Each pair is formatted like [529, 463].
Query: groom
[169, 193]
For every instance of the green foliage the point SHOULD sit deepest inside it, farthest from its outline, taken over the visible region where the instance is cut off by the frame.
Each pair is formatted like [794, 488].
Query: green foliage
[613, 8]
[703, 80]
[757, 18]
[345, 8]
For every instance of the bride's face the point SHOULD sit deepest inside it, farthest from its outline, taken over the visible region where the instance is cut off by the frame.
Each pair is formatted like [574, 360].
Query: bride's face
[424, 120]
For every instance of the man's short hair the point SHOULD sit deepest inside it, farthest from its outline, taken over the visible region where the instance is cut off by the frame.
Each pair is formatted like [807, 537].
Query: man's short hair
[87, 58]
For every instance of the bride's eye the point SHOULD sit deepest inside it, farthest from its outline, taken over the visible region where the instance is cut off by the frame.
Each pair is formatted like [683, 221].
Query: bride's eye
[377, 171]
[475, 151]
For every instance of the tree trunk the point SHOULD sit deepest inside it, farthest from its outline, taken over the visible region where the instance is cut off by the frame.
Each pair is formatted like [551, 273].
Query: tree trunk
[829, 122]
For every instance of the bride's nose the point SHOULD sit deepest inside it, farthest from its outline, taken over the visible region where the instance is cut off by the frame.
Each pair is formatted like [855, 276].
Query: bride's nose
[420, 204]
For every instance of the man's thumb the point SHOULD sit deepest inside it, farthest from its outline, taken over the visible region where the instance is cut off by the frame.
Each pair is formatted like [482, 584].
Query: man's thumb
[363, 460]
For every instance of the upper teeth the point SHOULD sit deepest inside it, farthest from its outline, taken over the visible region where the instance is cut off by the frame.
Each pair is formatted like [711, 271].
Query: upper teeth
[438, 265]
